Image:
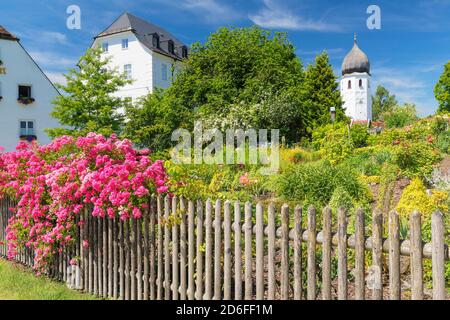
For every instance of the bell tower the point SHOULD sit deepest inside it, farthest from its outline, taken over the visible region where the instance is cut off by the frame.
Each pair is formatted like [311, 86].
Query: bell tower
[356, 84]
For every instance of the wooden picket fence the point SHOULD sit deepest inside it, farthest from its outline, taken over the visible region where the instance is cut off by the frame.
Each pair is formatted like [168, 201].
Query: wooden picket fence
[190, 250]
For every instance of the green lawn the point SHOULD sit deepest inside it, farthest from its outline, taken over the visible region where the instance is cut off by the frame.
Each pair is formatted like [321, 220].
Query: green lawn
[18, 283]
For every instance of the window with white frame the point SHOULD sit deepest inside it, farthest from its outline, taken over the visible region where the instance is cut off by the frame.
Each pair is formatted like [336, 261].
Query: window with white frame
[124, 44]
[164, 72]
[27, 128]
[128, 72]
[105, 46]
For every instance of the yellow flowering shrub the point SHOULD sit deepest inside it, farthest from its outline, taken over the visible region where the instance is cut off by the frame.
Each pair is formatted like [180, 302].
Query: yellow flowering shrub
[297, 155]
[371, 179]
[415, 197]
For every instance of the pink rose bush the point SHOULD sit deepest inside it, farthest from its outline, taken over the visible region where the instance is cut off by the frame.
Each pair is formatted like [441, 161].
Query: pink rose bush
[54, 182]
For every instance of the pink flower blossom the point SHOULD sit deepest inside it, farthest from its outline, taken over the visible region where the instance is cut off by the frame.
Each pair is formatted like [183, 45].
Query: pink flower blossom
[73, 262]
[54, 182]
[244, 180]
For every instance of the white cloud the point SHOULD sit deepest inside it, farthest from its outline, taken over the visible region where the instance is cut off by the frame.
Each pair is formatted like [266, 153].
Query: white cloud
[398, 79]
[47, 37]
[273, 16]
[56, 77]
[52, 63]
[408, 86]
[51, 36]
[50, 59]
[212, 10]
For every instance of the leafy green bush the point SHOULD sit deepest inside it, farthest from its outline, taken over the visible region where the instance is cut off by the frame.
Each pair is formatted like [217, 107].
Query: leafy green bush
[440, 124]
[400, 116]
[341, 199]
[440, 131]
[315, 183]
[443, 142]
[387, 184]
[359, 135]
[419, 131]
[416, 159]
[333, 142]
[369, 161]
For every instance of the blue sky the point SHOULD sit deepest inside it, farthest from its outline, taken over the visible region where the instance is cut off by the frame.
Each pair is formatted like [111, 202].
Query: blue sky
[407, 54]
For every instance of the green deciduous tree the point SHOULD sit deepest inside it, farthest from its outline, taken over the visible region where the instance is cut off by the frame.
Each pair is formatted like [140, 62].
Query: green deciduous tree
[321, 90]
[88, 103]
[244, 77]
[442, 90]
[383, 102]
[400, 116]
[152, 120]
[237, 65]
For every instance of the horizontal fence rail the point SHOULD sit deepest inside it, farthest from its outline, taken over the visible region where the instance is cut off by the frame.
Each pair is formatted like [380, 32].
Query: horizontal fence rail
[195, 250]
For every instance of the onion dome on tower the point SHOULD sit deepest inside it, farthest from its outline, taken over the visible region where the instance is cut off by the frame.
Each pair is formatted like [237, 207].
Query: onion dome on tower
[356, 61]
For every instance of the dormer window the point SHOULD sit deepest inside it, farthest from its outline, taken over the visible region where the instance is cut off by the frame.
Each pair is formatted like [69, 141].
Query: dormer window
[184, 52]
[171, 47]
[156, 41]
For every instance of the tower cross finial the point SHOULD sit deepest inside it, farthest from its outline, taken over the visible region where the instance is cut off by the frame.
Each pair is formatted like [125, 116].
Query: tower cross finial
[356, 37]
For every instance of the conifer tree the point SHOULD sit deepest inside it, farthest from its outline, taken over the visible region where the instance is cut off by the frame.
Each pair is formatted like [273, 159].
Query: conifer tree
[321, 91]
[442, 90]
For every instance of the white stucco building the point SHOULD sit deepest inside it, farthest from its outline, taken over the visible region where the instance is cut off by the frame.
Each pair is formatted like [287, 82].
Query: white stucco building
[356, 85]
[146, 53]
[26, 95]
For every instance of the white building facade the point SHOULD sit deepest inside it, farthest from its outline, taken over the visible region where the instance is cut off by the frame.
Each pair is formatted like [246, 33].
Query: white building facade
[26, 96]
[356, 86]
[147, 54]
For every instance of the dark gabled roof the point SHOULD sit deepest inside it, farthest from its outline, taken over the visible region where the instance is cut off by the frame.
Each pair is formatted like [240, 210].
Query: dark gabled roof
[5, 34]
[144, 31]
